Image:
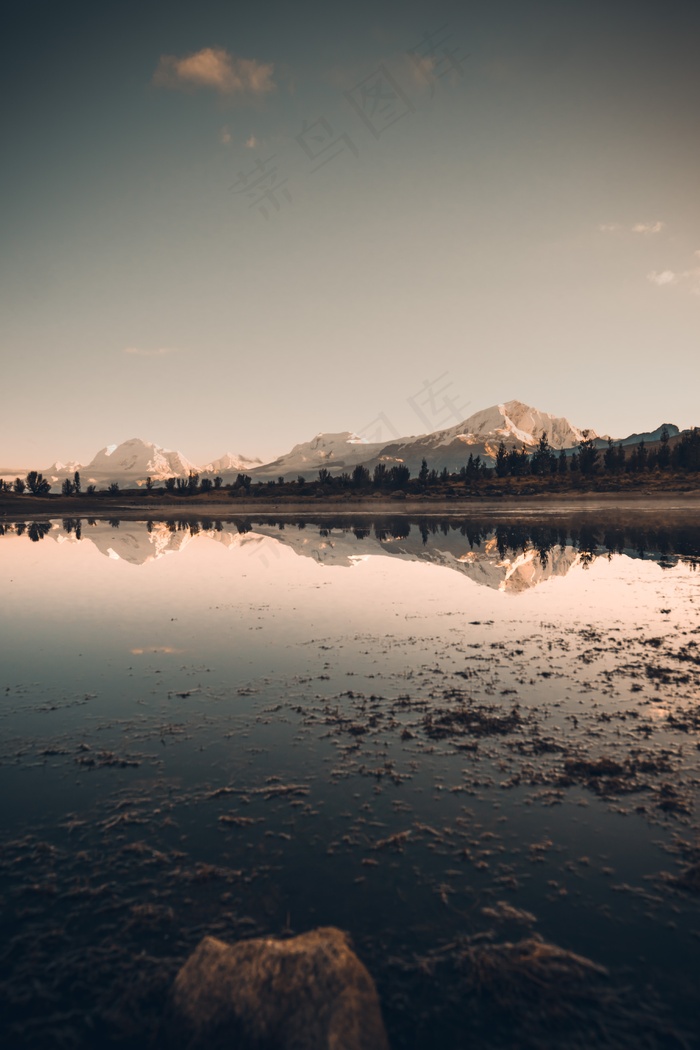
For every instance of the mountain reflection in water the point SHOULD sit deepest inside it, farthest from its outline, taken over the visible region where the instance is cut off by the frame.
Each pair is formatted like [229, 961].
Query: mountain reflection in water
[510, 556]
[499, 798]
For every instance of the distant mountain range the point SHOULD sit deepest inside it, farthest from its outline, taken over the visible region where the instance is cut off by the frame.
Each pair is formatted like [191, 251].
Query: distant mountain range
[517, 424]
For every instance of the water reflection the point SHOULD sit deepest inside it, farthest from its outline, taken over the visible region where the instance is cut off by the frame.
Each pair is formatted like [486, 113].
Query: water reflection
[510, 556]
[243, 743]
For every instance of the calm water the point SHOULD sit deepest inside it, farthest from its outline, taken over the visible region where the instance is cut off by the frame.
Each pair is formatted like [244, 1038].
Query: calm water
[442, 736]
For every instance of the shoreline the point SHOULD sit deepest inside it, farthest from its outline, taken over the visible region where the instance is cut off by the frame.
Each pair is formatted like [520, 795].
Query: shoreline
[23, 507]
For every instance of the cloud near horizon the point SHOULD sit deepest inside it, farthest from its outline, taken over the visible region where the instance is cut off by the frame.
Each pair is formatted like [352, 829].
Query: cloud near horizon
[214, 67]
[639, 227]
[160, 351]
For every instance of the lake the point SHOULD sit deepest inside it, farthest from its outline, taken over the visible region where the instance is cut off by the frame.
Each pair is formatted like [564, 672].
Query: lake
[472, 742]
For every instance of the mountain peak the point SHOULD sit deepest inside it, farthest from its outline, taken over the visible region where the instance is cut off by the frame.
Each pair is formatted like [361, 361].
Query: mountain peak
[230, 463]
[135, 459]
[517, 421]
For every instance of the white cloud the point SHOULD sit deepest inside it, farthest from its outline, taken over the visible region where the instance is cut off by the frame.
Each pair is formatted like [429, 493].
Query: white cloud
[225, 137]
[687, 279]
[648, 227]
[138, 351]
[662, 277]
[251, 142]
[639, 227]
[214, 67]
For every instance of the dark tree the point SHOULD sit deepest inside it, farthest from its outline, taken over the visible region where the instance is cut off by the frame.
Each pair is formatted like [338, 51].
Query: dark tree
[664, 455]
[218, 481]
[610, 457]
[77, 483]
[518, 462]
[587, 456]
[324, 476]
[399, 476]
[380, 476]
[19, 486]
[91, 490]
[423, 473]
[149, 484]
[192, 482]
[360, 477]
[67, 488]
[562, 463]
[502, 460]
[37, 484]
[170, 484]
[686, 453]
[37, 530]
[469, 472]
[642, 456]
[206, 485]
[113, 489]
[542, 457]
[639, 459]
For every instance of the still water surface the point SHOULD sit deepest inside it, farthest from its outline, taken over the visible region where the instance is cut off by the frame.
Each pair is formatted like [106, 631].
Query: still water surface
[445, 737]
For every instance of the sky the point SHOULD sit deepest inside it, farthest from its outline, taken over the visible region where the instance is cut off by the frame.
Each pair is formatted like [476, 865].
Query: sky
[231, 227]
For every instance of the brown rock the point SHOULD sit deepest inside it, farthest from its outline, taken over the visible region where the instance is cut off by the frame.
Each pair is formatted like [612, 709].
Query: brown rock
[307, 993]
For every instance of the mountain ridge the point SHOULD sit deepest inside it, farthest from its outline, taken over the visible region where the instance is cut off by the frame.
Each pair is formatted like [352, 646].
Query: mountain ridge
[515, 423]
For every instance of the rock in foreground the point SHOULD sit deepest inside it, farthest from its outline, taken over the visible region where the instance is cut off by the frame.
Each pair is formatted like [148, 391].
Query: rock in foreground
[307, 993]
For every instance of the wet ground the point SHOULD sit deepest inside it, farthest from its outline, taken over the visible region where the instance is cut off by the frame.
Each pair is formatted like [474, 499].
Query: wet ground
[476, 750]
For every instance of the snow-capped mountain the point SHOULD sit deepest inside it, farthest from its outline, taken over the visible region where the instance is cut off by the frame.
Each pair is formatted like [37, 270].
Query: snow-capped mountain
[335, 452]
[130, 463]
[513, 422]
[517, 424]
[135, 460]
[516, 421]
[62, 470]
[230, 464]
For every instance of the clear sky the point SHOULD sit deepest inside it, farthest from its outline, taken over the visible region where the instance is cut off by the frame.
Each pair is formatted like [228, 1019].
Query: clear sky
[229, 226]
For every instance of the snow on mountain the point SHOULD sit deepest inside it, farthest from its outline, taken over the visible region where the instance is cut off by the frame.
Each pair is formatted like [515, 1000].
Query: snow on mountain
[61, 470]
[517, 424]
[335, 452]
[133, 461]
[230, 463]
[513, 422]
[522, 423]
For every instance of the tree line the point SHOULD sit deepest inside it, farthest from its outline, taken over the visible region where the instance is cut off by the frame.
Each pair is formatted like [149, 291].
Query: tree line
[615, 459]
[585, 460]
